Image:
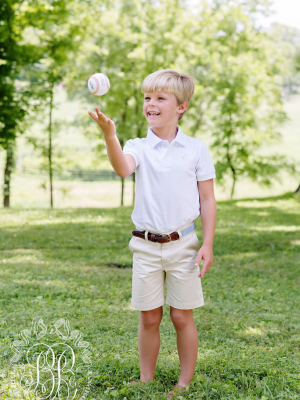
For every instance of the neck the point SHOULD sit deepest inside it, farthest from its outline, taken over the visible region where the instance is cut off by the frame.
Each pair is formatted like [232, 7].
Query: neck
[166, 133]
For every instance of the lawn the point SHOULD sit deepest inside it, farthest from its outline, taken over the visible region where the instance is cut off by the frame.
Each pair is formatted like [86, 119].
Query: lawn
[75, 264]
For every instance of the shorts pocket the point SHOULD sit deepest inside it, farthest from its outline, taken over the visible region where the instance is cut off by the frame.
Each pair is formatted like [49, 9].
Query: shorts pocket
[196, 238]
[195, 241]
[130, 244]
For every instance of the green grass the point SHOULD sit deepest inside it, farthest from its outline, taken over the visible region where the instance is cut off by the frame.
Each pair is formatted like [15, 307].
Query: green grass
[75, 263]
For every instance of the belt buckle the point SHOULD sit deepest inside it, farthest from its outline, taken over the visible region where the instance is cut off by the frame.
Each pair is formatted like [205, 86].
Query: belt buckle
[161, 235]
[170, 239]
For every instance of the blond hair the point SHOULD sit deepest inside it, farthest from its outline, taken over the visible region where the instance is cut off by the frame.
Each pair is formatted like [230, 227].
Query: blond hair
[169, 80]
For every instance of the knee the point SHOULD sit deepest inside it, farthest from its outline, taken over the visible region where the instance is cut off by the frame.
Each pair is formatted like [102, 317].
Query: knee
[151, 319]
[181, 318]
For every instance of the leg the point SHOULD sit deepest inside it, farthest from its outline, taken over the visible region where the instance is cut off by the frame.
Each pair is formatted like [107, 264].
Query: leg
[149, 342]
[187, 343]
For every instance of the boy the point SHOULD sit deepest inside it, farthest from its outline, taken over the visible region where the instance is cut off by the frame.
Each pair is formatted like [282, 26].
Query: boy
[174, 176]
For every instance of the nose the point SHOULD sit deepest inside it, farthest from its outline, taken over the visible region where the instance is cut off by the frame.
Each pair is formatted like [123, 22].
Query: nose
[152, 101]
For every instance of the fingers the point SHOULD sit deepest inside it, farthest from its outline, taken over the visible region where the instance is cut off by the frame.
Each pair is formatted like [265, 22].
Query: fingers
[99, 116]
[203, 270]
[199, 258]
[206, 266]
[202, 273]
[93, 115]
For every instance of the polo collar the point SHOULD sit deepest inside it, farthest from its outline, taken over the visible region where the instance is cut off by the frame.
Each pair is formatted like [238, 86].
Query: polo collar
[154, 140]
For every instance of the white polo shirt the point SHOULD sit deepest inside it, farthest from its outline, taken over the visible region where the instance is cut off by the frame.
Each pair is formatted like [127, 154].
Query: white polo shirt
[167, 196]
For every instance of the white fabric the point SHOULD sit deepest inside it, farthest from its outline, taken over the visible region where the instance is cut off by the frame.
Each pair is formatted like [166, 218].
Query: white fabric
[167, 194]
[174, 262]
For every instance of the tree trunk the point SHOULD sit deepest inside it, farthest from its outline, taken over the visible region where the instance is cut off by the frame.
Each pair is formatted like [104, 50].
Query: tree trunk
[7, 174]
[233, 184]
[50, 145]
[228, 156]
[298, 189]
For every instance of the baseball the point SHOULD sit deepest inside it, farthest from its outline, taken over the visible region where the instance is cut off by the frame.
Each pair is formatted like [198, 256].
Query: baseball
[98, 84]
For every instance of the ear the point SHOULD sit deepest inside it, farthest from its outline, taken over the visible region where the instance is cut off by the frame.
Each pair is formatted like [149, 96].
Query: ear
[182, 108]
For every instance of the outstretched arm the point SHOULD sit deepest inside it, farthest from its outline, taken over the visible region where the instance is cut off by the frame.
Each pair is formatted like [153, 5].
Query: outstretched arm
[123, 165]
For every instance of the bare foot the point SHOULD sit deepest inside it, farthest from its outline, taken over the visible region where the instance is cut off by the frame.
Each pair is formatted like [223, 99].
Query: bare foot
[177, 390]
[132, 383]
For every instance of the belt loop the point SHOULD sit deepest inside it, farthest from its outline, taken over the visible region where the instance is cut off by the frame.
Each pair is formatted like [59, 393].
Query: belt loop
[146, 235]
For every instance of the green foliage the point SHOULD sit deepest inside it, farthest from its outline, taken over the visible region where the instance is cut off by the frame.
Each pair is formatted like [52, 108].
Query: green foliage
[287, 41]
[11, 103]
[63, 263]
[56, 28]
[240, 70]
[127, 44]
[240, 95]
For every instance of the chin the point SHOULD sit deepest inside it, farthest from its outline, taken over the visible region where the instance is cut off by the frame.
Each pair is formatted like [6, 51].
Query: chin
[155, 125]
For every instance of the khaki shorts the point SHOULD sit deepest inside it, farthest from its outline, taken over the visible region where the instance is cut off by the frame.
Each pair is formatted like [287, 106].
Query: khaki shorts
[153, 263]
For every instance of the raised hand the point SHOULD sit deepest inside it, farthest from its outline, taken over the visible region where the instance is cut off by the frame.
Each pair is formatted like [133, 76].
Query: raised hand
[107, 125]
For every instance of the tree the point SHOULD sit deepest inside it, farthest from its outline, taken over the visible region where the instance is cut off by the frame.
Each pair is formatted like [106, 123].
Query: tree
[13, 99]
[59, 28]
[126, 48]
[29, 70]
[238, 95]
[240, 76]
[238, 69]
[287, 39]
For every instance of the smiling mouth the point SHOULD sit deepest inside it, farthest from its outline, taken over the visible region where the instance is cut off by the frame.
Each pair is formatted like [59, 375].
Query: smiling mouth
[153, 114]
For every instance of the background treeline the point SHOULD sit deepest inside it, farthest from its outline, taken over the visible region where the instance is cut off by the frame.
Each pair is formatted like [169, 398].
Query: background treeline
[242, 72]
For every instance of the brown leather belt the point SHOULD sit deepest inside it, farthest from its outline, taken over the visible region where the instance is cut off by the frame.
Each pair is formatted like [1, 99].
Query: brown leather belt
[157, 238]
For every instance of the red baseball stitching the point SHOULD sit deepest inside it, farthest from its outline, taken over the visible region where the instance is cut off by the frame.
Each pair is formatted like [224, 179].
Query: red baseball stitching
[107, 82]
[97, 84]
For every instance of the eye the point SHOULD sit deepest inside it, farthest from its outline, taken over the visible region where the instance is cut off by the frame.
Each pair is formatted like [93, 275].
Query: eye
[161, 98]
[147, 98]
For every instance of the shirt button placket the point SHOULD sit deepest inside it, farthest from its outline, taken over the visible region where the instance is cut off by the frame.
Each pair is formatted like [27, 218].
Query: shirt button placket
[169, 156]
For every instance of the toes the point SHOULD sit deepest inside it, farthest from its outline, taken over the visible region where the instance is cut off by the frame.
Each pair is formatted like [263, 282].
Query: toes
[176, 391]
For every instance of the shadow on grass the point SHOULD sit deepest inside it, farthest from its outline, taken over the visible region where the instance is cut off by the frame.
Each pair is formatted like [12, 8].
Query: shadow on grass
[80, 235]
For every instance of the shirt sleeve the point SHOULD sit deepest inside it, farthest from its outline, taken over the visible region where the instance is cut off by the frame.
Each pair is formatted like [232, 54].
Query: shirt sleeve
[133, 148]
[205, 168]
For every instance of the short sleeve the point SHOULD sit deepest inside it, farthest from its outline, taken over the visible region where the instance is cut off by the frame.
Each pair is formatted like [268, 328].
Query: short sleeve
[133, 148]
[205, 168]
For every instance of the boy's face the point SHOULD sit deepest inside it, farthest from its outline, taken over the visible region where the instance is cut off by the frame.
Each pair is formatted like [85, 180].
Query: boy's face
[165, 105]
